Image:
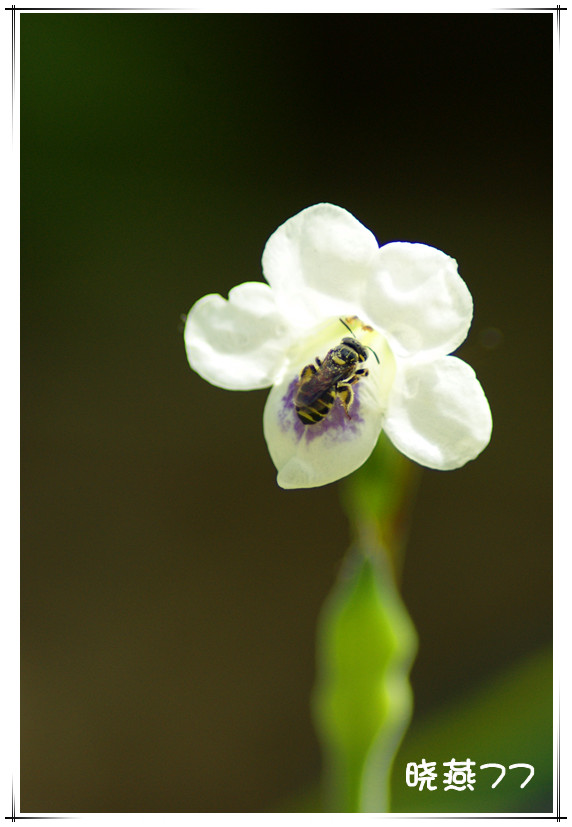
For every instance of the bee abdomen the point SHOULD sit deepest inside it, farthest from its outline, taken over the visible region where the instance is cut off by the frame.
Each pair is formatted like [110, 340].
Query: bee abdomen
[311, 414]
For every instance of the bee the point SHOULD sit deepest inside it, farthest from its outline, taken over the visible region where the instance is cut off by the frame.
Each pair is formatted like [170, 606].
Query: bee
[321, 383]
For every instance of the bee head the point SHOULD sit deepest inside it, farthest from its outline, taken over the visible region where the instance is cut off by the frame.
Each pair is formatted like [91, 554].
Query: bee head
[357, 346]
[353, 350]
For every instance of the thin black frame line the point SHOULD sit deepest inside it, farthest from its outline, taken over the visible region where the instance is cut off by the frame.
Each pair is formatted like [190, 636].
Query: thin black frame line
[14, 817]
[558, 8]
[557, 817]
[393, 816]
[558, 758]
[13, 16]
[99, 8]
[13, 9]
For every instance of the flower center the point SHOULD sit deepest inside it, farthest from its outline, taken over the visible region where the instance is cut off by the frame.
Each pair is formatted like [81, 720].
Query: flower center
[339, 365]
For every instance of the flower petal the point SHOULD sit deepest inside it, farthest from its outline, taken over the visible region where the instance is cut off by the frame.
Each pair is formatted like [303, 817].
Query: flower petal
[311, 455]
[237, 344]
[438, 413]
[419, 300]
[318, 263]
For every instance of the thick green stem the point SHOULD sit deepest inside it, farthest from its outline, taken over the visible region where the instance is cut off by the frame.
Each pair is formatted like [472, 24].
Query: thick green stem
[366, 643]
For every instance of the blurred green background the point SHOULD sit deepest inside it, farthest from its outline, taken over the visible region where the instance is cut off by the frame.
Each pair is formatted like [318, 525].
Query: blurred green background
[170, 590]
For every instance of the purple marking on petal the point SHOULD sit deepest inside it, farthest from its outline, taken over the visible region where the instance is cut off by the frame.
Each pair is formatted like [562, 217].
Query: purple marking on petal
[336, 423]
[285, 412]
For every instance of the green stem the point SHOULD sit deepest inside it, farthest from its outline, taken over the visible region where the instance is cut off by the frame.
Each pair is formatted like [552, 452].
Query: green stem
[366, 642]
[378, 501]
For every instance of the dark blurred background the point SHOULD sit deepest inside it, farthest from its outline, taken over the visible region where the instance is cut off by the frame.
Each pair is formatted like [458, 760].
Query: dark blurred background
[170, 590]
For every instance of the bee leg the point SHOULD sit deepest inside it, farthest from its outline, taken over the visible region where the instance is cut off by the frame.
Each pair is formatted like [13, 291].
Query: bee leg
[346, 395]
[359, 374]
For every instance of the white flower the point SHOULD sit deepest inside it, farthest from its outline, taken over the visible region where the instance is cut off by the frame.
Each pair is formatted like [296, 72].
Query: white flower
[406, 303]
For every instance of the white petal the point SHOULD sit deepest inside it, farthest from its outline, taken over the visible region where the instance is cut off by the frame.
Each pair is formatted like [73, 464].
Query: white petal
[419, 300]
[438, 413]
[237, 344]
[311, 455]
[318, 263]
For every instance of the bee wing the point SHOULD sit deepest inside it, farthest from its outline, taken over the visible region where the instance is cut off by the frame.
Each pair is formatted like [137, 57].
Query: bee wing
[314, 384]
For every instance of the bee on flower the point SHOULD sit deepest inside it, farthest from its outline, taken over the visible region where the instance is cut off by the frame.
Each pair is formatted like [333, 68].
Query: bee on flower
[320, 384]
[352, 339]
